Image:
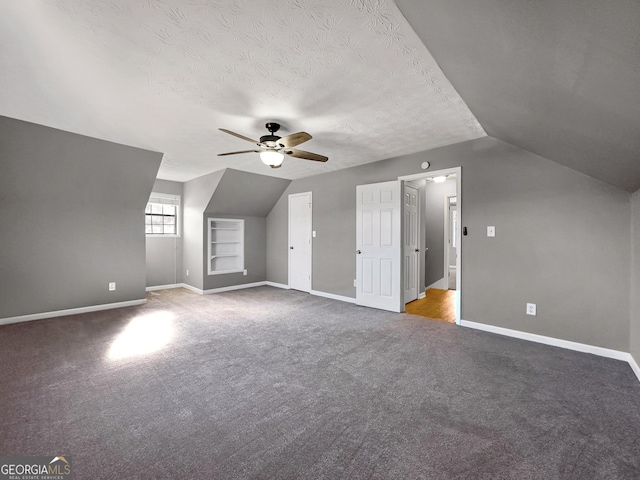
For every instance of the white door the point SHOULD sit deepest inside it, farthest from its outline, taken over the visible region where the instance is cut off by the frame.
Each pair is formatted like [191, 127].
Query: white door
[300, 241]
[378, 246]
[410, 241]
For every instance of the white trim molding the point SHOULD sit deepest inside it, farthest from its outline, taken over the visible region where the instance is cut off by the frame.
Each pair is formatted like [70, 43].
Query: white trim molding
[556, 342]
[634, 366]
[164, 287]
[234, 287]
[71, 311]
[333, 296]
[189, 287]
[317, 293]
[278, 285]
[421, 295]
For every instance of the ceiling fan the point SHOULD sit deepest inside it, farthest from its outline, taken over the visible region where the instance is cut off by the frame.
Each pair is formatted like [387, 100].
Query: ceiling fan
[273, 148]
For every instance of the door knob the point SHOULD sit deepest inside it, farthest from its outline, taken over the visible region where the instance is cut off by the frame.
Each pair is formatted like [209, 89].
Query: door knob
[358, 252]
[291, 248]
[417, 250]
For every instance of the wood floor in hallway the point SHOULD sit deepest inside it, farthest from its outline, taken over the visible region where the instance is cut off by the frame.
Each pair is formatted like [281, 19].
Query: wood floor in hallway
[436, 305]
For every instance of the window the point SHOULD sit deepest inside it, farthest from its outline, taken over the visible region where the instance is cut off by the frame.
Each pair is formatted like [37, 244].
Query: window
[161, 215]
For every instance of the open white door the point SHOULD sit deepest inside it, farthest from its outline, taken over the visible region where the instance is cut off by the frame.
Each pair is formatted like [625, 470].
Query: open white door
[411, 241]
[378, 246]
[300, 241]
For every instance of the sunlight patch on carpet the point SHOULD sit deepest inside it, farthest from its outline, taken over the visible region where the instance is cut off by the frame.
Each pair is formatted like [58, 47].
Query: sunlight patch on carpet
[145, 334]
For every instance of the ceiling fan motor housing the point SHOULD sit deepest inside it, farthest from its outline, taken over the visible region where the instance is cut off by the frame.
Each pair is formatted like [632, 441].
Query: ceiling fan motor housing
[270, 141]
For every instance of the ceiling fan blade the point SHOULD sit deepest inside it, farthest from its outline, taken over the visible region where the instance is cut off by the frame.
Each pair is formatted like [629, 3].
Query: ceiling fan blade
[306, 155]
[238, 135]
[294, 139]
[235, 153]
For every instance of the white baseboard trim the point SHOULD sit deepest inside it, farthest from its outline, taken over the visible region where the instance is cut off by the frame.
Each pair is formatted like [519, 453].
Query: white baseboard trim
[422, 295]
[278, 285]
[634, 366]
[71, 311]
[440, 284]
[333, 296]
[193, 289]
[164, 287]
[234, 287]
[556, 342]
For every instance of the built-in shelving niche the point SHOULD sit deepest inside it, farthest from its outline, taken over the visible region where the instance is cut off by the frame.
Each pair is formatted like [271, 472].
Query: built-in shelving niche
[226, 245]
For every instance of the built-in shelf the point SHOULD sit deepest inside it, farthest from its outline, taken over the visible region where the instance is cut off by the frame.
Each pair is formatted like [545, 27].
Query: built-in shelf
[226, 245]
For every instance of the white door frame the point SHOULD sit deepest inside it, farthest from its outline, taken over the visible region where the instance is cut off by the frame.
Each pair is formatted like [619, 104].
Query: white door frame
[458, 172]
[447, 234]
[293, 195]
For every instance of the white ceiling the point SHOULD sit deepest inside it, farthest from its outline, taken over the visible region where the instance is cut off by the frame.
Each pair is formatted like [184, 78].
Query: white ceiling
[166, 74]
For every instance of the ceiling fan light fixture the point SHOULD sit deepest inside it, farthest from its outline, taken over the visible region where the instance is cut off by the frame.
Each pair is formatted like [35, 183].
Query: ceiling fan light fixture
[272, 158]
[439, 179]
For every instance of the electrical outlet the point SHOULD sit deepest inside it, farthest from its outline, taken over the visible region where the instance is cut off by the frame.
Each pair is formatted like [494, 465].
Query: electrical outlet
[355, 283]
[531, 308]
[187, 272]
[244, 272]
[112, 286]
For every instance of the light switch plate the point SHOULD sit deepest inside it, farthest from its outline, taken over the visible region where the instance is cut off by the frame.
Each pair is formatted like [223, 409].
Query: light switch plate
[491, 231]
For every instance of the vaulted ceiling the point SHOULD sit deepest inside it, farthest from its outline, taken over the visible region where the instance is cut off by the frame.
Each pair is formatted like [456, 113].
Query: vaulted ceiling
[166, 74]
[559, 78]
[369, 79]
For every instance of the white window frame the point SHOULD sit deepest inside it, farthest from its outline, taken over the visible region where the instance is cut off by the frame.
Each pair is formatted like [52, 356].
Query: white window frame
[157, 198]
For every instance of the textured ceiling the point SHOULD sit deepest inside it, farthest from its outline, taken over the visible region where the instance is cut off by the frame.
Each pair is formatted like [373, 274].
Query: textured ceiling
[558, 78]
[166, 74]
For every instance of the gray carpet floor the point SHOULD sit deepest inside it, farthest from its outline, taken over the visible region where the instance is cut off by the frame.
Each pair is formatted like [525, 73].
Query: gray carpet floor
[273, 384]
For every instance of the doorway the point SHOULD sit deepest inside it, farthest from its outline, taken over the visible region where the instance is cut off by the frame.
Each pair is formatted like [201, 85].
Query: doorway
[300, 246]
[450, 236]
[439, 275]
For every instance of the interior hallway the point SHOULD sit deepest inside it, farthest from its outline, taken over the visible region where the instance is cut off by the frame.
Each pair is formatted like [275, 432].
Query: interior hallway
[437, 305]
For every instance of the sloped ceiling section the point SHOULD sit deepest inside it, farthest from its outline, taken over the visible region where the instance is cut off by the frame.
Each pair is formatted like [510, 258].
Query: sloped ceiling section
[557, 78]
[166, 74]
[246, 194]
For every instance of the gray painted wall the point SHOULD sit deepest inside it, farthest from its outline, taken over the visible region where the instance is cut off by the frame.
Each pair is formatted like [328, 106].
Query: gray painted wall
[559, 79]
[72, 210]
[197, 194]
[254, 254]
[634, 337]
[563, 240]
[244, 193]
[228, 194]
[433, 204]
[164, 254]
